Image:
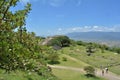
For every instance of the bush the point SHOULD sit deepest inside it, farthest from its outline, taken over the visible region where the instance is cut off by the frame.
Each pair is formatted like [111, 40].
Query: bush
[64, 59]
[90, 71]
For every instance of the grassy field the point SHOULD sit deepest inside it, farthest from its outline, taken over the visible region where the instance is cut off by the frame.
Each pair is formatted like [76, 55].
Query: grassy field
[65, 74]
[19, 75]
[81, 59]
[72, 57]
[72, 75]
[70, 62]
[97, 59]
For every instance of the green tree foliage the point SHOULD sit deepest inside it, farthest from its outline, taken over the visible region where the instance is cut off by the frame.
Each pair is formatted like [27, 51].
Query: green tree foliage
[64, 59]
[103, 48]
[115, 49]
[90, 49]
[19, 49]
[62, 41]
[90, 71]
[50, 55]
[10, 21]
[81, 43]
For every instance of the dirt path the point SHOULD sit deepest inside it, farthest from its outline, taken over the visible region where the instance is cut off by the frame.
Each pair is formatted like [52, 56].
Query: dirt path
[109, 75]
[66, 67]
[46, 41]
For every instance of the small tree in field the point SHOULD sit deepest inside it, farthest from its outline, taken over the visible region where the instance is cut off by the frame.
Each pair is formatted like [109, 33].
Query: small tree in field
[90, 49]
[90, 71]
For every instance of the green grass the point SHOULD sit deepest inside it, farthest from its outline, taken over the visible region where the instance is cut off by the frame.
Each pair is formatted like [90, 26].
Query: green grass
[71, 63]
[19, 75]
[115, 69]
[64, 74]
[97, 59]
[72, 75]
[78, 52]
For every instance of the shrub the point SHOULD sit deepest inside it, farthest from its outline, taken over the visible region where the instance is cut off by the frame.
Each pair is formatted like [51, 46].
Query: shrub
[64, 58]
[90, 71]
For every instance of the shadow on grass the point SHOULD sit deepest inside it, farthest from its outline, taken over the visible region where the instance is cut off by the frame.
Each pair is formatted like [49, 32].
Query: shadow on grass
[90, 76]
[53, 62]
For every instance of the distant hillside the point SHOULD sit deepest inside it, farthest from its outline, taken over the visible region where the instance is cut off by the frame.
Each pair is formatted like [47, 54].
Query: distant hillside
[109, 38]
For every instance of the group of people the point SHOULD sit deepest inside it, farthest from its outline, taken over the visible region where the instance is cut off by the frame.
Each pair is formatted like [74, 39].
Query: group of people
[105, 70]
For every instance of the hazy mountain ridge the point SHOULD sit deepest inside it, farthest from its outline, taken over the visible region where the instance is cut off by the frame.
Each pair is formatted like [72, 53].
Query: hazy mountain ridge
[109, 38]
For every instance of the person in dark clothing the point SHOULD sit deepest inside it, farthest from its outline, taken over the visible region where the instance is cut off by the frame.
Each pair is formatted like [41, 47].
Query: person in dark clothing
[102, 72]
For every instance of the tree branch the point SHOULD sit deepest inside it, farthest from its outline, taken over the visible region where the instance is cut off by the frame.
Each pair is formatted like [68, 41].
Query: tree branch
[2, 4]
[7, 9]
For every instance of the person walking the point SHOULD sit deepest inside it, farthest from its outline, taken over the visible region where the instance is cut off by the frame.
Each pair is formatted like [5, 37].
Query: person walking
[102, 72]
[106, 70]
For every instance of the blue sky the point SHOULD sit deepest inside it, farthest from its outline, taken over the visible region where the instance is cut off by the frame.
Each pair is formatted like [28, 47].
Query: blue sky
[50, 17]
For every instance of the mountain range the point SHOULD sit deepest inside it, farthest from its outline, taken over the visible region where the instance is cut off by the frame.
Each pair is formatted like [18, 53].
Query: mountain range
[109, 38]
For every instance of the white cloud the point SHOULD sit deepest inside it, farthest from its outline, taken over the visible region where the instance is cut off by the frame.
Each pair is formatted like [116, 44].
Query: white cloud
[100, 28]
[59, 29]
[75, 28]
[95, 27]
[87, 29]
